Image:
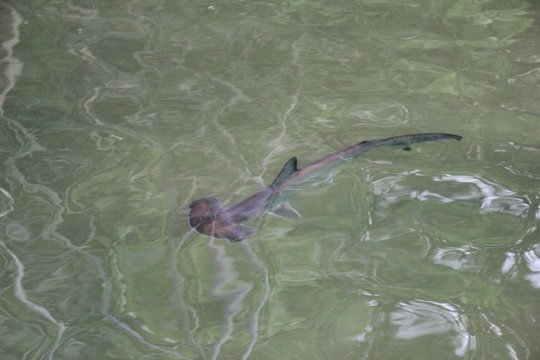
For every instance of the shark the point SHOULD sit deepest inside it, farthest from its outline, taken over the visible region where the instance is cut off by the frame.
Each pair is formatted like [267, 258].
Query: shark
[208, 217]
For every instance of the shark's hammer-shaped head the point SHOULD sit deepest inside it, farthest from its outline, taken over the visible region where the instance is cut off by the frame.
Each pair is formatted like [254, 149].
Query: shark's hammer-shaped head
[207, 217]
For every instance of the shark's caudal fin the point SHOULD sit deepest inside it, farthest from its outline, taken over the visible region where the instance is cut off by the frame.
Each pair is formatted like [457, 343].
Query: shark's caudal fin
[403, 141]
[288, 169]
[406, 140]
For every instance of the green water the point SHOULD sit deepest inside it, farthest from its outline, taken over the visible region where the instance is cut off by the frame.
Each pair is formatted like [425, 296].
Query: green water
[114, 116]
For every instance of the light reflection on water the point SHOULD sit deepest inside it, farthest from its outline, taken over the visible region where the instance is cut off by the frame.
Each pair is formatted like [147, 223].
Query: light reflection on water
[417, 319]
[532, 257]
[114, 119]
[495, 198]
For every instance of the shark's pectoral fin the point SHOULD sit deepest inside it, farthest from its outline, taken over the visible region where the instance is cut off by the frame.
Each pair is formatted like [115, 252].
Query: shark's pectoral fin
[286, 210]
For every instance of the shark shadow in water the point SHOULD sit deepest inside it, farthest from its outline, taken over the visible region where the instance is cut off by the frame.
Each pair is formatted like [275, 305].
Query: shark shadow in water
[207, 216]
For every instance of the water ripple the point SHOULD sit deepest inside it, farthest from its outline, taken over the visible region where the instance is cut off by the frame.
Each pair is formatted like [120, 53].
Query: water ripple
[495, 197]
[122, 117]
[20, 293]
[421, 318]
[532, 258]
[381, 114]
[7, 203]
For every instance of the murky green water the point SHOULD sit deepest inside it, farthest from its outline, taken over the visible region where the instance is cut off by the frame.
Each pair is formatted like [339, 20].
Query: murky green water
[114, 116]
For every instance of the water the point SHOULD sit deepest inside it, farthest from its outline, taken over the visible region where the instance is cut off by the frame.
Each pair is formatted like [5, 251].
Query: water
[115, 116]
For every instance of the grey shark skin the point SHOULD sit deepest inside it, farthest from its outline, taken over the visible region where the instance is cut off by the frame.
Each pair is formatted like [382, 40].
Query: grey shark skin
[207, 216]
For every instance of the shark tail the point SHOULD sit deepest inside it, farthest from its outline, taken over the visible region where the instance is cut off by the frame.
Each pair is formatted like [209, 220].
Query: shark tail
[406, 140]
[403, 141]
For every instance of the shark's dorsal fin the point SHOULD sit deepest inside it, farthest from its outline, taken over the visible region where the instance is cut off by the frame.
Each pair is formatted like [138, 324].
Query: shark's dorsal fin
[288, 169]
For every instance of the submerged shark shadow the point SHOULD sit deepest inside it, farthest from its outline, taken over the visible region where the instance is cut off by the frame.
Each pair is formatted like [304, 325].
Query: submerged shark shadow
[208, 217]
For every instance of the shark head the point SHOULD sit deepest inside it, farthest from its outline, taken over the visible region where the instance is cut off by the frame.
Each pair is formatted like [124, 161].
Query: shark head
[203, 210]
[207, 217]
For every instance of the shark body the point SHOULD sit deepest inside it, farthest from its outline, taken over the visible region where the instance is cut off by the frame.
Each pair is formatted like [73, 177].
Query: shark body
[207, 216]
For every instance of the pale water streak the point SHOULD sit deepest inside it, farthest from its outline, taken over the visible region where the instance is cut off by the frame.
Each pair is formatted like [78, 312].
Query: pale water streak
[9, 203]
[20, 293]
[255, 319]
[14, 65]
[12, 72]
[277, 145]
[226, 287]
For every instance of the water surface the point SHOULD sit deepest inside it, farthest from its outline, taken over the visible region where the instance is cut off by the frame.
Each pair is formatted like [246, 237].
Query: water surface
[115, 116]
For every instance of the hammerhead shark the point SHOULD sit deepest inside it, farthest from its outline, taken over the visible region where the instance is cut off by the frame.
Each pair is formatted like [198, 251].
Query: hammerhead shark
[208, 217]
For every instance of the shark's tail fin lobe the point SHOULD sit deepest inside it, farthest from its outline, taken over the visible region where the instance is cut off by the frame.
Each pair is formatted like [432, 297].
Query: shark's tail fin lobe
[403, 141]
[288, 169]
[407, 140]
